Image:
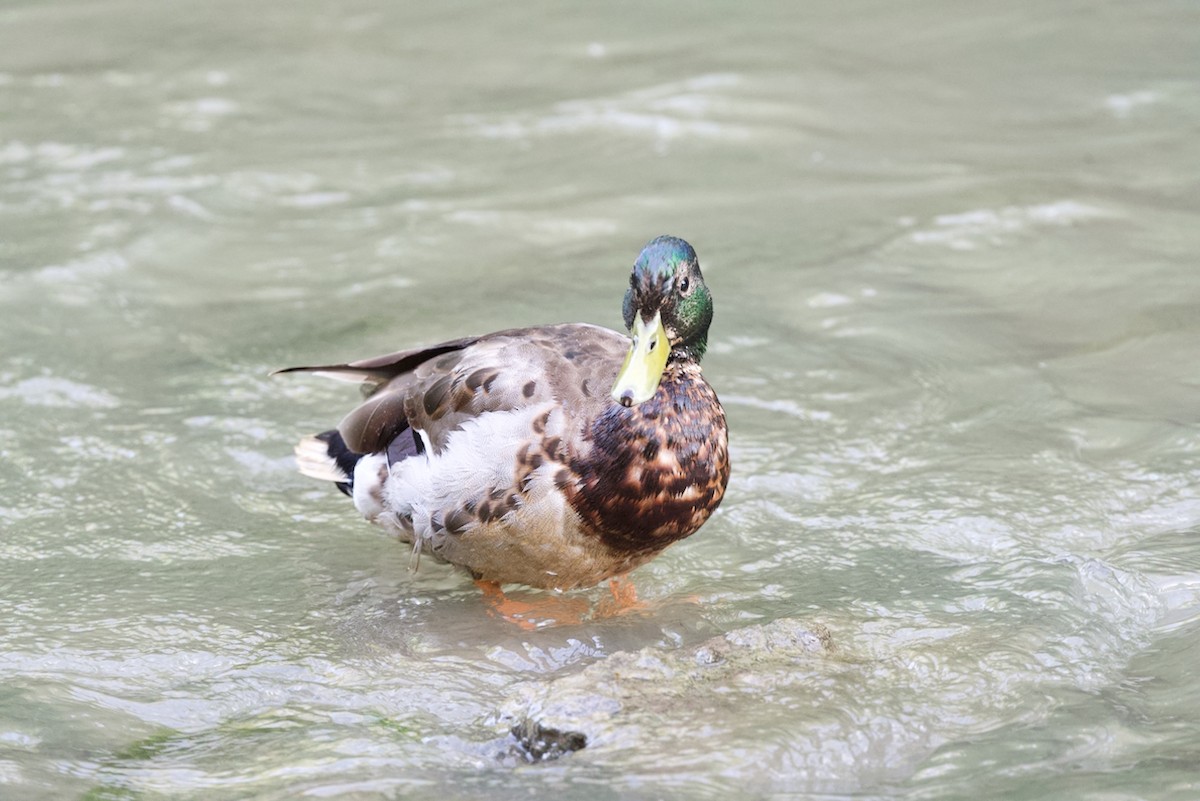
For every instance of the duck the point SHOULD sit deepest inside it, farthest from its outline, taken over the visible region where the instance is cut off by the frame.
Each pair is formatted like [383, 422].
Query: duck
[557, 456]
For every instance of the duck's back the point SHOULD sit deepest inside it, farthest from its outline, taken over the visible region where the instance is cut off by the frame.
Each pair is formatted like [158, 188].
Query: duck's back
[572, 365]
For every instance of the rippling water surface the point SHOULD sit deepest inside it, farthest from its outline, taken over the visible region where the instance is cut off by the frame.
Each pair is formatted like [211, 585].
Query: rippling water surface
[954, 256]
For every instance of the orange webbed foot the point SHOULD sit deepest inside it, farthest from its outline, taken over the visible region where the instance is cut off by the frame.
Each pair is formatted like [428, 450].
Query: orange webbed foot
[624, 599]
[541, 612]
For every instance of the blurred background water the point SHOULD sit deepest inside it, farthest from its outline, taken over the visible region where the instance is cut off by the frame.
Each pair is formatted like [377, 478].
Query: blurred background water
[954, 255]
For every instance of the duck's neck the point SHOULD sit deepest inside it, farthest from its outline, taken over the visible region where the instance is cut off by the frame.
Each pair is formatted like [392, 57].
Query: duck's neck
[692, 351]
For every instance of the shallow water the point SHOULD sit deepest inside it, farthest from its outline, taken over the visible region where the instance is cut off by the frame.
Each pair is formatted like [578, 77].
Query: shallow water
[953, 253]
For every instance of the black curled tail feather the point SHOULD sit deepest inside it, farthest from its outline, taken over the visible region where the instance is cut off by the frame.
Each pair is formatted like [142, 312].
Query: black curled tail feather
[345, 458]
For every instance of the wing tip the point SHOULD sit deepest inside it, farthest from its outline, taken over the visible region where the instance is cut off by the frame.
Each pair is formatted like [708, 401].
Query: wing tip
[338, 372]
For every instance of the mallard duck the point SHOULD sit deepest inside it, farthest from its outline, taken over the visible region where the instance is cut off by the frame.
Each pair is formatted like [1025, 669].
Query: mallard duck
[556, 456]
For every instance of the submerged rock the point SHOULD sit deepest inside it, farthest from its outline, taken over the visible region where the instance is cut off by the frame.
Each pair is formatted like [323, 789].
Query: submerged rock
[535, 742]
[630, 695]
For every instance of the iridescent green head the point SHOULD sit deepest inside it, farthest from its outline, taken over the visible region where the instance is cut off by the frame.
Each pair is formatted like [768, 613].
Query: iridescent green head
[667, 303]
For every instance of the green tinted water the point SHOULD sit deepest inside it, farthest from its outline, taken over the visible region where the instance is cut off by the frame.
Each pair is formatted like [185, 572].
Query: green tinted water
[953, 253]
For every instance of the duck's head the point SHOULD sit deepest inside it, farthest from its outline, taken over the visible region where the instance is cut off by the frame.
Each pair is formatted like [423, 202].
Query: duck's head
[667, 311]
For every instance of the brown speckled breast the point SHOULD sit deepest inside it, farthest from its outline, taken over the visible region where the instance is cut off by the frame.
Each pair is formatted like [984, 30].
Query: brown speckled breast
[655, 472]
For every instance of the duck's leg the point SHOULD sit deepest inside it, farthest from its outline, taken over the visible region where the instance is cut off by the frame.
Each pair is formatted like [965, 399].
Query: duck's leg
[546, 610]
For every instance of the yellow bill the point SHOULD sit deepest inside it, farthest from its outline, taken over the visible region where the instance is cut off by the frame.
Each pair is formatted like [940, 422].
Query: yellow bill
[644, 364]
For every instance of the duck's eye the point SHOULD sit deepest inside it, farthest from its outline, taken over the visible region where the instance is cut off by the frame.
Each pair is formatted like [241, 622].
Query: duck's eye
[685, 285]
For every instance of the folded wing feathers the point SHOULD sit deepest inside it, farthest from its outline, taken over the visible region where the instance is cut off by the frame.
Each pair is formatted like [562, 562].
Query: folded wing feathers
[377, 371]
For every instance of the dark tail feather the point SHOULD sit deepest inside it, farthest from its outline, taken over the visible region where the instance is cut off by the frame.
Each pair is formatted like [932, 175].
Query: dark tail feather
[326, 457]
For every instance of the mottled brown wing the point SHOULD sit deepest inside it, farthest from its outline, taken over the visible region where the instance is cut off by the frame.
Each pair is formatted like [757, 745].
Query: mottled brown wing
[436, 389]
[571, 365]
